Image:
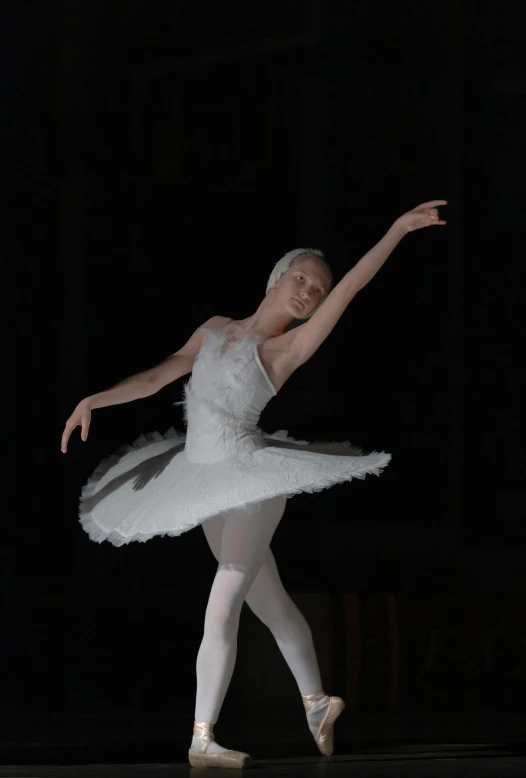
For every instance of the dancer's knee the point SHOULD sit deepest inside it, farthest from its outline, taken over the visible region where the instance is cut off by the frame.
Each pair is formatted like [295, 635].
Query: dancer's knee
[221, 621]
[283, 618]
[224, 606]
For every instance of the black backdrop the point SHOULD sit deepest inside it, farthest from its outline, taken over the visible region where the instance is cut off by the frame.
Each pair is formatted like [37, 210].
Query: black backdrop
[163, 157]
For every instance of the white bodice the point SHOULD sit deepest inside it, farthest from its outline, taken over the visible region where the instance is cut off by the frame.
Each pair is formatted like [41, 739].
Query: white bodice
[224, 398]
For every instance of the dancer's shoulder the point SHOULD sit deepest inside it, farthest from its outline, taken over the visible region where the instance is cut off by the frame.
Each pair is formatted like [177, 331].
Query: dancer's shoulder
[223, 319]
[216, 322]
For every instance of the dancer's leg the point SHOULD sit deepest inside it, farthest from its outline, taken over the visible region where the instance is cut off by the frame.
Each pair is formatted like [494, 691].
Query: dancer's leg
[244, 542]
[270, 602]
[268, 599]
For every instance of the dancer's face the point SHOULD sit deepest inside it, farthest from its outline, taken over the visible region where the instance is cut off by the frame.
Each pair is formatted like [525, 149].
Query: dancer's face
[303, 286]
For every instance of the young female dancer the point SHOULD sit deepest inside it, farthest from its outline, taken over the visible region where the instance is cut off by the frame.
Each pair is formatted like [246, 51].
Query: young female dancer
[234, 479]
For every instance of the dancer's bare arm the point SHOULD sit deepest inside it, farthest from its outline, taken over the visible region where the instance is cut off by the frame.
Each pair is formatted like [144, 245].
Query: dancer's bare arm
[140, 385]
[308, 337]
[182, 361]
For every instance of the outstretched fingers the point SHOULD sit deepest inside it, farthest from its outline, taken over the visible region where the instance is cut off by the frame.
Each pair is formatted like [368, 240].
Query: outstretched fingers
[85, 427]
[65, 437]
[433, 204]
[430, 213]
[82, 421]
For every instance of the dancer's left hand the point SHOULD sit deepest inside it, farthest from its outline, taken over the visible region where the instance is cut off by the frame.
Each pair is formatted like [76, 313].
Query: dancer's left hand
[424, 215]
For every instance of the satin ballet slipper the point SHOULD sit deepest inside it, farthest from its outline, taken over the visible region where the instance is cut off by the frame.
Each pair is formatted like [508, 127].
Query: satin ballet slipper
[325, 735]
[233, 759]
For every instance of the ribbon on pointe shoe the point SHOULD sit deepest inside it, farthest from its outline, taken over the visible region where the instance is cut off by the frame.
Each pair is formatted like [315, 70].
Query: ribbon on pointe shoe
[205, 733]
[236, 760]
[325, 735]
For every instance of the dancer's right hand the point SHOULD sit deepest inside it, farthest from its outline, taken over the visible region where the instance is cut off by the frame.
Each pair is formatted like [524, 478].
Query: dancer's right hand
[80, 417]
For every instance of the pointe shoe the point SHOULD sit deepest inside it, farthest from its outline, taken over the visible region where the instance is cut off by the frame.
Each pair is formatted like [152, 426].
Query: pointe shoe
[325, 735]
[233, 759]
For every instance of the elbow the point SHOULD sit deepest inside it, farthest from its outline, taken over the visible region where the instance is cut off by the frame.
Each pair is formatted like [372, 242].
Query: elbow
[153, 385]
[352, 287]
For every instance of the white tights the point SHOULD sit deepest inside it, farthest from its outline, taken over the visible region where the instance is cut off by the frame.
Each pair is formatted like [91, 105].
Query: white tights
[247, 572]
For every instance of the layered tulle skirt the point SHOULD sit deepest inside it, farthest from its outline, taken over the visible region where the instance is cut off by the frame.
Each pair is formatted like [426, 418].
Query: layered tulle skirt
[150, 487]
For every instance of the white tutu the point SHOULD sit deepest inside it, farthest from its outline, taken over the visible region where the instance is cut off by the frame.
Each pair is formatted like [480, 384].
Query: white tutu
[168, 484]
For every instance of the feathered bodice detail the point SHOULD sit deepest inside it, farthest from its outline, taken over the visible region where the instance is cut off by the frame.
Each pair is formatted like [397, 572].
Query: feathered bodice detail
[224, 398]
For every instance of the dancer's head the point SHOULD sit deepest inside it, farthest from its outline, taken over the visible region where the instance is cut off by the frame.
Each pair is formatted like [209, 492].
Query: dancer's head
[301, 280]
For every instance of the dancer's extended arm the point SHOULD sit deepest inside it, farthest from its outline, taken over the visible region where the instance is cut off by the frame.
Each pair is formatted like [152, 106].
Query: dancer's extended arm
[140, 385]
[308, 337]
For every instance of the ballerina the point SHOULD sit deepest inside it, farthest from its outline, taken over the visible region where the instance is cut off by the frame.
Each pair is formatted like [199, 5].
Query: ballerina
[232, 478]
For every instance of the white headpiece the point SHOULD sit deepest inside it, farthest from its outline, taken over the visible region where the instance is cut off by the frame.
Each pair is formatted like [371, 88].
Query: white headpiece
[283, 264]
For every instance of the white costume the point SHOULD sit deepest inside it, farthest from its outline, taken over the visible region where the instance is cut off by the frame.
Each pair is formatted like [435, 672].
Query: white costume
[234, 479]
[166, 485]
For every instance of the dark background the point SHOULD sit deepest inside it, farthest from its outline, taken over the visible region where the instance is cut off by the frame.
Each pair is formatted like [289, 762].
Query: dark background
[161, 157]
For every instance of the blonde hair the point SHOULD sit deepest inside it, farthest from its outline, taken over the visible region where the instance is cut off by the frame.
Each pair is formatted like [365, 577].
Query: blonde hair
[283, 264]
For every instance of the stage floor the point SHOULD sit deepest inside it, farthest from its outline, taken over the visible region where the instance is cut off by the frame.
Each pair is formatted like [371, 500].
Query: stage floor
[456, 744]
[433, 762]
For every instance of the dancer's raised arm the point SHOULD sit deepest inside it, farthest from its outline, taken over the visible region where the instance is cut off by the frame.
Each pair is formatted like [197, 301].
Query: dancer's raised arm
[308, 337]
[142, 384]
